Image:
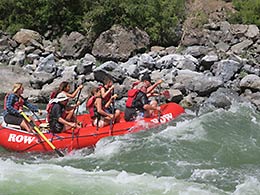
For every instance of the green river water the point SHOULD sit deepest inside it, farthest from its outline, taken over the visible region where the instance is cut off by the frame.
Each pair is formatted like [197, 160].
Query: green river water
[214, 153]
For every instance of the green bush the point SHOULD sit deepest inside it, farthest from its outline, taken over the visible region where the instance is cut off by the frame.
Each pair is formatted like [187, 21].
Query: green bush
[161, 19]
[248, 12]
[41, 15]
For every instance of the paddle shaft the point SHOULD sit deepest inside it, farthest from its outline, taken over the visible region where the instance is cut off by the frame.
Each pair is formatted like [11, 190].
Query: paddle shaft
[41, 134]
[77, 101]
[33, 113]
[113, 112]
[159, 102]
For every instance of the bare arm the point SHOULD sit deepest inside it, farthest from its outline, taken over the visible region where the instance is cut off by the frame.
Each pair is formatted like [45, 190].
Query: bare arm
[152, 87]
[72, 95]
[64, 122]
[105, 93]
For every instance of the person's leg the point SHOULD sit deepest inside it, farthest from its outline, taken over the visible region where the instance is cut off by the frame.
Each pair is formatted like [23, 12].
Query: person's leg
[154, 104]
[69, 115]
[117, 116]
[26, 126]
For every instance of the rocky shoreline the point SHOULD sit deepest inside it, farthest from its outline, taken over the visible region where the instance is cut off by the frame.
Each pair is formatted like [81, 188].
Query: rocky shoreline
[208, 71]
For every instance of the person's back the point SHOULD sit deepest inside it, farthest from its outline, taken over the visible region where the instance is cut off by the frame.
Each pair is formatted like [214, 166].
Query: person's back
[141, 104]
[56, 111]
[58, 121]
[136, 101]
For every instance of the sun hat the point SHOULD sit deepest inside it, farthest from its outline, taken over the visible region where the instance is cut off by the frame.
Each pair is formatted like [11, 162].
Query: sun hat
[60, 97]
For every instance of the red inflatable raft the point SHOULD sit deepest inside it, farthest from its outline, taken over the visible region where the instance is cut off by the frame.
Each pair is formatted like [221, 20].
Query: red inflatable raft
[18, 140]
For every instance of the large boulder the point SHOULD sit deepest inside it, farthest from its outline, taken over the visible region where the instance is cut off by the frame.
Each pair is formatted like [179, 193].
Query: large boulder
[26, 36]
[119, 43]
[74, 45]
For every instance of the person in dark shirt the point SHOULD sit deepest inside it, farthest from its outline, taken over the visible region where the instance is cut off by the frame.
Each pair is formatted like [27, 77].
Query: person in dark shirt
[13, 105]
[58, 122]
[141, 106]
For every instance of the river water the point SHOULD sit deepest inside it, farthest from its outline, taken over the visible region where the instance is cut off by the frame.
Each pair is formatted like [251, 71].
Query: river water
[214, 153]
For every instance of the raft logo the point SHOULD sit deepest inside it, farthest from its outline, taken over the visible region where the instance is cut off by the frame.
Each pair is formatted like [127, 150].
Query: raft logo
[163, 119]
[20, 138]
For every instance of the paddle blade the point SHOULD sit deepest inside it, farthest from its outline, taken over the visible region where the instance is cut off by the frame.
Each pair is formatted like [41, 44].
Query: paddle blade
[59, 152]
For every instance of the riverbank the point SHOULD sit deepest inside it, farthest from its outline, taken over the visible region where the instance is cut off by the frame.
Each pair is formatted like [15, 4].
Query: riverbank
[221, 67]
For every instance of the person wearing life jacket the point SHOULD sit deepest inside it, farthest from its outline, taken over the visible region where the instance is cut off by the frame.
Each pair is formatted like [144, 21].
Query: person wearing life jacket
[99, 116]
[137, 103]
[146, 80]
[13, 105]
[107, 91]
[58, 122]
[64, 87]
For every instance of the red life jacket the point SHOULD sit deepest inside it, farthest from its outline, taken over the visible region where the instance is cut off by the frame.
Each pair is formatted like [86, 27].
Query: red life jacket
[53, 94]
[17, 105]
[50, 105]
[90, 106]
[132, 93]
[48, 110]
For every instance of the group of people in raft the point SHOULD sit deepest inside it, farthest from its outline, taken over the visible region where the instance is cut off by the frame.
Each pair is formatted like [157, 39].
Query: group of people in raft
[61, 117]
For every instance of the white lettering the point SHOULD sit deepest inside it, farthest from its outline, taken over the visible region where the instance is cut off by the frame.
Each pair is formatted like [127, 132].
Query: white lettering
[163, 119]
[28, 139]
[20, 138]
[11, 137]
[155, 120]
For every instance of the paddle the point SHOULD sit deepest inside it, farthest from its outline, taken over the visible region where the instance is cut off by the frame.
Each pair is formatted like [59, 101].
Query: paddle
[113, 112]
[77, 101]
[73, 129]
[33, 113]
[41, 134]
[159, 102]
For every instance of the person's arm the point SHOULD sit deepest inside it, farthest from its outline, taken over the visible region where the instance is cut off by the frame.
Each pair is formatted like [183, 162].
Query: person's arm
[105, 93]
[32, 107]
[110, 100]
[72, 95]
[146, 105]
[64, 122]
[152, 87]
[9, 105]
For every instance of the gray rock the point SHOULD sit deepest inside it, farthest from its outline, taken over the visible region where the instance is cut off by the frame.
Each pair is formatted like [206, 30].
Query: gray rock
[251, 81]
[226, 69]
[75, 45]
[119, 43]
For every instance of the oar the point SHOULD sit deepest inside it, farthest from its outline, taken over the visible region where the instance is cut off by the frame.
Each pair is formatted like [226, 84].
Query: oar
[113, 112]
[159, 102]
[41, 134]
[73, 129]
[77, 101]
[33, 113]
